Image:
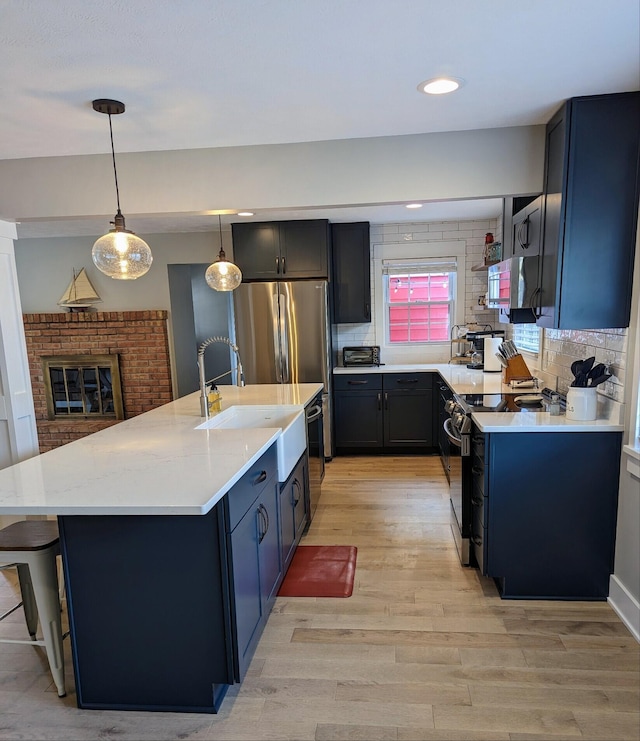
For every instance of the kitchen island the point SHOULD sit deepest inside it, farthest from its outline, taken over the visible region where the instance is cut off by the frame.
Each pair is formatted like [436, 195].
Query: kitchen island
[169, 579]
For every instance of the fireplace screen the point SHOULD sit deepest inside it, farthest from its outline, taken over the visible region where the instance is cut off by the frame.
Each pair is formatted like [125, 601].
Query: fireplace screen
[83, 386]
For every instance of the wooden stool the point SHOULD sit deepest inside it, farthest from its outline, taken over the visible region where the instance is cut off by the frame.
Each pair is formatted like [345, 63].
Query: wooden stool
[32, 546]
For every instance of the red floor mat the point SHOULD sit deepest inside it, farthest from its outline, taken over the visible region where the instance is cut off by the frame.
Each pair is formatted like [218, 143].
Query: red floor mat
[320, 571]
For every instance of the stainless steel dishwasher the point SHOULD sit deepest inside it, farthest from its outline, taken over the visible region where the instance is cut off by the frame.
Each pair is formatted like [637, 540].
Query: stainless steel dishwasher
[315, 447]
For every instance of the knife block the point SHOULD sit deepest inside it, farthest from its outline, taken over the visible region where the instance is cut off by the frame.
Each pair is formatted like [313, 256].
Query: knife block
[516, 370]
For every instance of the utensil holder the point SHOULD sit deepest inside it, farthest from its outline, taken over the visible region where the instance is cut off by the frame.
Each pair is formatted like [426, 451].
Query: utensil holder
[516, 370]
[582, 403]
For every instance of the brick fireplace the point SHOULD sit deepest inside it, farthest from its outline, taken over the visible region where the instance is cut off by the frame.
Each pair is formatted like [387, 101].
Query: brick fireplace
[138, 338]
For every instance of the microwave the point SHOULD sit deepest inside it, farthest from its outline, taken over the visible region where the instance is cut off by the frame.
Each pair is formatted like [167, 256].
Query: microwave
[366, 355]
[513, 287]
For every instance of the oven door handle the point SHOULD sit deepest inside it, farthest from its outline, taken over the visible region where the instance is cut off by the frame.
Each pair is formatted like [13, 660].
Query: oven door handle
[450, 434]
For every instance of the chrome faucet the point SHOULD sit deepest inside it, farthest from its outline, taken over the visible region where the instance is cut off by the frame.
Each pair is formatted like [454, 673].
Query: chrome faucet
[204, 406]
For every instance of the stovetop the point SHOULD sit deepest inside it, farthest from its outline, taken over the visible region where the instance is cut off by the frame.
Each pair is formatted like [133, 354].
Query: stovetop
[523, 400]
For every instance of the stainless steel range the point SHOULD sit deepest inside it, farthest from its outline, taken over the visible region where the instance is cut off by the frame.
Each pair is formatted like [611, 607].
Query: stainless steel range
[458, 428]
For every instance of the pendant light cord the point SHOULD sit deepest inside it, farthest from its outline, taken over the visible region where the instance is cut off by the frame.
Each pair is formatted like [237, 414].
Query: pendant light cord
[115, 172]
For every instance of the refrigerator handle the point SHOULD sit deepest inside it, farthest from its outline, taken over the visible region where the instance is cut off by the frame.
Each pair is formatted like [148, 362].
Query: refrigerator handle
[275, 317]
[284, 336]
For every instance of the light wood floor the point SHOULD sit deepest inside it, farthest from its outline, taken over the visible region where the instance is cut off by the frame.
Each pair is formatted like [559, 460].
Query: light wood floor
[424, 649]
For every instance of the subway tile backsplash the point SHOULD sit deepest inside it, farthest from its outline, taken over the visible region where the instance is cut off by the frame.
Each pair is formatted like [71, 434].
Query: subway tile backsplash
[561, 347]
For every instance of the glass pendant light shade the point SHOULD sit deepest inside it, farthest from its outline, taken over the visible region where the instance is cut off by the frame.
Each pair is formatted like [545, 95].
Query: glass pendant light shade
[223, 275]
[121, 254]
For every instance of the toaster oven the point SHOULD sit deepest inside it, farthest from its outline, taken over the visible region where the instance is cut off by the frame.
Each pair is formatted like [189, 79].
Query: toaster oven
[366, 355]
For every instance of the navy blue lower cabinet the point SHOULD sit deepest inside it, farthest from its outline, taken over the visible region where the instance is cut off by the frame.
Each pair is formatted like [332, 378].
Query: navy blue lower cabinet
[149, 611]
[384, 412]
[293, 511]
[551, 519]
[165, 610]
[256, 571]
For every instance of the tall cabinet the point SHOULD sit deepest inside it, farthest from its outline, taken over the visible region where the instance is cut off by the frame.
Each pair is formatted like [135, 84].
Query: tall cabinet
[351, 276]
[590, 212]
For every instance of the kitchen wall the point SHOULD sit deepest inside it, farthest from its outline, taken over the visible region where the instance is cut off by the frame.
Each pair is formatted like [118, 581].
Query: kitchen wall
[44, 268]
[472, 233]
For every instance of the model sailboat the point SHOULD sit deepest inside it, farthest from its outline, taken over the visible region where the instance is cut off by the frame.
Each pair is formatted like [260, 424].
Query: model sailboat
[80, 294]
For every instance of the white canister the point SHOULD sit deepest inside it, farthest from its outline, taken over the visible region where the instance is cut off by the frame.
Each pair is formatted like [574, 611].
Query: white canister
[491, 363]
[582, 403]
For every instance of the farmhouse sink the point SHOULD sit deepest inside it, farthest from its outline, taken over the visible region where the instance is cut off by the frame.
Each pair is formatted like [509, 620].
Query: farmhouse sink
[290, 419]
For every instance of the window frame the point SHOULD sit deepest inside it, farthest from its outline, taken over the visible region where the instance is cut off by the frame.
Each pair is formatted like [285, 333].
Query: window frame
[519, 340]
[414, 251]
[416, 269]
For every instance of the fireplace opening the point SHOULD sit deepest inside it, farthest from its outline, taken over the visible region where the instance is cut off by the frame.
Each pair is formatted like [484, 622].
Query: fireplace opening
[83, 386]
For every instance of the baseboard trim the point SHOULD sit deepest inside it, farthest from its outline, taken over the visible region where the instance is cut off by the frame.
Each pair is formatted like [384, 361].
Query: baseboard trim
[625, 605]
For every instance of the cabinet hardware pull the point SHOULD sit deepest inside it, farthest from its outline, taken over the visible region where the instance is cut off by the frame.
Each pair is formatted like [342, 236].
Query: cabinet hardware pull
[386, 400]
[367, 310]
[357, 383]
[284, 266]
[379, 402]
[262, 477]
[261, 530]
[277, 264]
[407, 380]
[266, 515]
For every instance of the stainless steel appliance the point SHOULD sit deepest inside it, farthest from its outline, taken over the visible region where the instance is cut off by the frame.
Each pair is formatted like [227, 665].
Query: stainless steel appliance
[315, 446]
[283, 332]
[513, 287]
[458, 428]
[444, 446]
[367, 355]
[477, 345]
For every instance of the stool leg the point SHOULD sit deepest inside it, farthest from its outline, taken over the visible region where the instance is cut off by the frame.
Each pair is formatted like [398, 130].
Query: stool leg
[28, 599]
[45, 586]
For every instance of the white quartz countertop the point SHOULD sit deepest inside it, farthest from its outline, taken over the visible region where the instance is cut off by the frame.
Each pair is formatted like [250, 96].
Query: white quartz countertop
[157, 463]
[463, 380]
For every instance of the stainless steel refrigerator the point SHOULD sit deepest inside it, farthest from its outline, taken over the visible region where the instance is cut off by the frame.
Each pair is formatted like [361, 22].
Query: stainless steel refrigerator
[283, 332]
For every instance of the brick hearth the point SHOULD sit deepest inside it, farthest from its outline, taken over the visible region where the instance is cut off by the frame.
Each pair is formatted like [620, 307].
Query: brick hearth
[138, 337]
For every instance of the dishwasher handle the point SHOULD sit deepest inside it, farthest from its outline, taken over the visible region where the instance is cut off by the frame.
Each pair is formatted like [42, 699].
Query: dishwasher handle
[314, 412]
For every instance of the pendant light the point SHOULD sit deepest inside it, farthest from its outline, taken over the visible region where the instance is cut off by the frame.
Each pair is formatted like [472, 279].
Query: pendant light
[120, 253]
[223, 275]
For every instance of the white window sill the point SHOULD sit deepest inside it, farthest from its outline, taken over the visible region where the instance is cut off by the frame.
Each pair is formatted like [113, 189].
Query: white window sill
[633, 451]
[633, 459]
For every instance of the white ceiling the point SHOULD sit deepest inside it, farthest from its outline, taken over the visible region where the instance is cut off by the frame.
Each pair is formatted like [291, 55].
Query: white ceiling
[199, 73]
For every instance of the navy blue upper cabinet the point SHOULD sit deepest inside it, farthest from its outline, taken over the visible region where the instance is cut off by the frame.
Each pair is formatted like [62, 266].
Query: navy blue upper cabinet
[351, 273]
[282, 250]
[591, 186]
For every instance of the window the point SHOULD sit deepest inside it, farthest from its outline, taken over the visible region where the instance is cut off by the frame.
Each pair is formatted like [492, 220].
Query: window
[419, 300]
[527, 337]
[85, 386]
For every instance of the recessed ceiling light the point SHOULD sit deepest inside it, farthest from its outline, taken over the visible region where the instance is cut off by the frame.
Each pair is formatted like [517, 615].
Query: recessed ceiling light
[413, 205]
[440, 85]
[245, 213]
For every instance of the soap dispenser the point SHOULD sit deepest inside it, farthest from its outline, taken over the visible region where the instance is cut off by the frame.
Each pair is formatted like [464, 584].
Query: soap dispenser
[213, 399]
